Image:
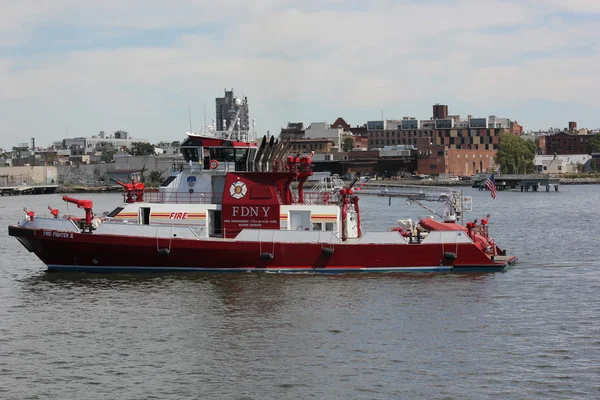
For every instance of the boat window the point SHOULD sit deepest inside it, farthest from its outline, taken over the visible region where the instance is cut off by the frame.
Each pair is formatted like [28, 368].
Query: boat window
[241, 154]
[221, 154]
[190, 153]
[168, 181]
[114, 212]
[251, 159]
[328, 226]
[317, 226]
[241, 159]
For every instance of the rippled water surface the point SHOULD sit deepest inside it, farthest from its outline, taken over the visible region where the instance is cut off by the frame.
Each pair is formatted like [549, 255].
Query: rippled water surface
[530, 332]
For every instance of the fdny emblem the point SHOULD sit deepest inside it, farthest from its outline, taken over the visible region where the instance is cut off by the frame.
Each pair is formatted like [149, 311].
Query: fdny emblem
[238, 190]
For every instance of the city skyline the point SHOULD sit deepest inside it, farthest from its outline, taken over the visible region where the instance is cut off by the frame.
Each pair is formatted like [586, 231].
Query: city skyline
[139, 66]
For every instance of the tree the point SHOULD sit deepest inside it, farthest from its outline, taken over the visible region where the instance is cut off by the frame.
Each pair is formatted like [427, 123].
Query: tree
[595, 143]
[515, 155]
[141, 149]
[108, 155]
[347, 143]
[142, 172]
[155, 178]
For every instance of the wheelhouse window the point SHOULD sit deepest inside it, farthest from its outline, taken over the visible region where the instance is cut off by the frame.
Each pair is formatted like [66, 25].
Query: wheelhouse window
[191, 154]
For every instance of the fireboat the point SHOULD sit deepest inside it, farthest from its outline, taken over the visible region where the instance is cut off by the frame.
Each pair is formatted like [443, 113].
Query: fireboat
[231, 206]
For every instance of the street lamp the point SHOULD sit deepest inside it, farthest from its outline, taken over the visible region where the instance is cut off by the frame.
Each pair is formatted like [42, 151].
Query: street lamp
[514, 167]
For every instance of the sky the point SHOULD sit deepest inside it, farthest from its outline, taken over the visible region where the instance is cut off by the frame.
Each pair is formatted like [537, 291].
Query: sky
[70, 68]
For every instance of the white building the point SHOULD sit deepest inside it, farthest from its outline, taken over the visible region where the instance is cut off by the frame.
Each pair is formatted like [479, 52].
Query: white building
[119, 140]
[562, 163]
[320, 130]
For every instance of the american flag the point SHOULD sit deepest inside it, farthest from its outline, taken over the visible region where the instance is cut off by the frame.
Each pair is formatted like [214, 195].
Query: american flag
[491, 185]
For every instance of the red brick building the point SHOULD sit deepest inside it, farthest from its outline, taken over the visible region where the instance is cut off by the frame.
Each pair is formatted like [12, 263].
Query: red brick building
[360, 143]
[466, 139]
[567, 143]
[341, 123]
[459, 162]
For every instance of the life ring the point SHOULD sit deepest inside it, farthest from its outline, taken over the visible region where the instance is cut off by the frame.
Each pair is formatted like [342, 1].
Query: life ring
[326, 197]
[214, 164]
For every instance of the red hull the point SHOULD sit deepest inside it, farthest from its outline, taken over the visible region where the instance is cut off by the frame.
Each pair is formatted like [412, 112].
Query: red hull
[81, 251]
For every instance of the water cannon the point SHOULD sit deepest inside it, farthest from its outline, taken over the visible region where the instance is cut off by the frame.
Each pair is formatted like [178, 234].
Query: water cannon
[85, 204]
[307, 159]
[133, 191]
[29, 214]
[53, 211]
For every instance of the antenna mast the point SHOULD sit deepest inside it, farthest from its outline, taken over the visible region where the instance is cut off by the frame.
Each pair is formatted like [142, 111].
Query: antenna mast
[190, 115]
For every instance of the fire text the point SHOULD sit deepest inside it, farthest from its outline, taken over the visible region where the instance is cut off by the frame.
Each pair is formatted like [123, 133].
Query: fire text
[178, 215]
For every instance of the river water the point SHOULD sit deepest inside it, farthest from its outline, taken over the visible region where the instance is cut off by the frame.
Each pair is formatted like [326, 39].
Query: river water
[530, 332]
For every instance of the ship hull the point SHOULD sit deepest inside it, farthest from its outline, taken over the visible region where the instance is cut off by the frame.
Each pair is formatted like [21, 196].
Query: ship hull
[118, 253]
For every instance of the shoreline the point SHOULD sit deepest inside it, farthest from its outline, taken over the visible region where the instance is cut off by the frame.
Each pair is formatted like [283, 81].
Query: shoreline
[62, 189]
[393, 182]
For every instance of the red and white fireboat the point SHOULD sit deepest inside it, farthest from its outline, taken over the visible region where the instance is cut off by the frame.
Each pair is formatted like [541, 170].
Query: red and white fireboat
[231, 207]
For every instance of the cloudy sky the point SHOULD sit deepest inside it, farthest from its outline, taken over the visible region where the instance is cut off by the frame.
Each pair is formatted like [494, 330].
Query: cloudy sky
[74, 68]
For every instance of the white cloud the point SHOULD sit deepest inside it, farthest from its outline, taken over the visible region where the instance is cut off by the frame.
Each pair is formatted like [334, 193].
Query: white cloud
[294, 60]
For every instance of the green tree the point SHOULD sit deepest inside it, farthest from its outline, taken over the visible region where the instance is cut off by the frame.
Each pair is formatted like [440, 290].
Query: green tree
[595, 143]
[141, 149]
[515, 155]
[155, 178]
[142, 172]
[108, 155]
[347, 143]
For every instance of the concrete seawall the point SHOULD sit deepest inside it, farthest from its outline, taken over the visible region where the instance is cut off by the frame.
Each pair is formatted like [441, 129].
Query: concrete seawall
[579, 181]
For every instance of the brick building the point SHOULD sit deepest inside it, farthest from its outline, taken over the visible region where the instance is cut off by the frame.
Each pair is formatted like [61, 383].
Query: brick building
[320, 145]
[444, 141]
[460, 162]
[567, 143]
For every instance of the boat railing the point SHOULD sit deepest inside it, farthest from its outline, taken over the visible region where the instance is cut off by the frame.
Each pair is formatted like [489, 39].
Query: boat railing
[482, 230]
[321, 198]
[183, 197]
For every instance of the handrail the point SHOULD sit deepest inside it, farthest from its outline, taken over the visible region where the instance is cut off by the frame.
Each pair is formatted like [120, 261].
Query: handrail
[183, 197]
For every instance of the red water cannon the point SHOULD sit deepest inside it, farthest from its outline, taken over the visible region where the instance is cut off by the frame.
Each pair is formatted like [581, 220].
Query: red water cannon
[133, 191]
[85, 204]
[29, 214]
[304, 161]
[53, 211]
[138, 188]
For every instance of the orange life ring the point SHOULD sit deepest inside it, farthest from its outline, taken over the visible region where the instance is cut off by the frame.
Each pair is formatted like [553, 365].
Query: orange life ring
[326, 197]
[214, 164]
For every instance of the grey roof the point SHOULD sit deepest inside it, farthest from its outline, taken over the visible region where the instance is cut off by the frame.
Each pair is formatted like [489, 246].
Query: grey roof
[569, 158]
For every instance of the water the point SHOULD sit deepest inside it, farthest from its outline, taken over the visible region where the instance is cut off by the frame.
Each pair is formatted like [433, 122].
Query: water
[530, 332]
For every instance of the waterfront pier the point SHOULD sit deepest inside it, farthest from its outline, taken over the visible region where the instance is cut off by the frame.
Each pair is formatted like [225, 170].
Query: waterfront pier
[27, 189]
[527, 182]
